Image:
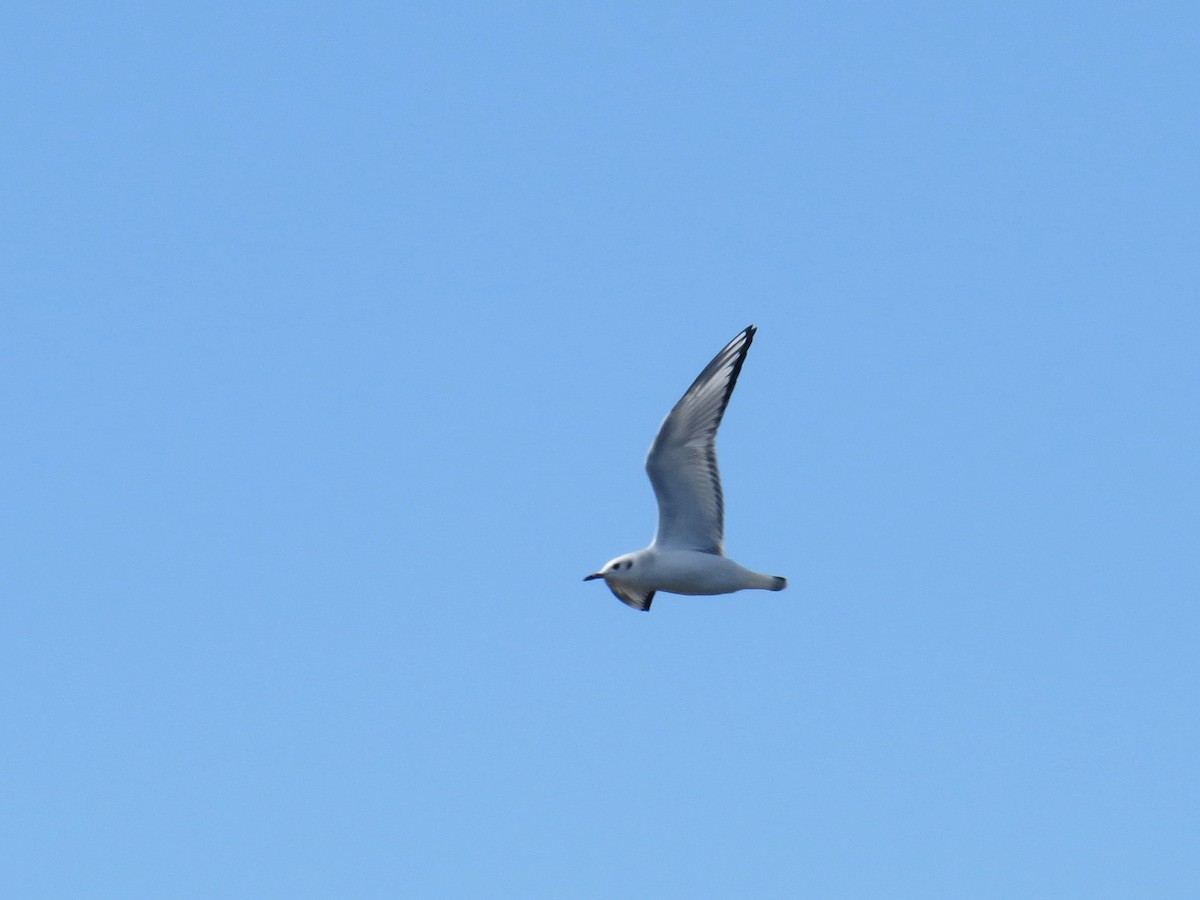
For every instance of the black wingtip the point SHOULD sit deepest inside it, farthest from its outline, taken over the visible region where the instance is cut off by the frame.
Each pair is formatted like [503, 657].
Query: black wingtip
[737, 365]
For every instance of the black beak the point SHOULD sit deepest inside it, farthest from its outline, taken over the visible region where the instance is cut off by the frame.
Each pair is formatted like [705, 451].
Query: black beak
[594, 575]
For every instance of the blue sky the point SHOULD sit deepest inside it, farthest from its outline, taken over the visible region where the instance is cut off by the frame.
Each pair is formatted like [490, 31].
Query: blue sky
[333, 337]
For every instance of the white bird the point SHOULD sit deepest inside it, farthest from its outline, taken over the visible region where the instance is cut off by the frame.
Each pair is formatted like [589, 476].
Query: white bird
[687, 555]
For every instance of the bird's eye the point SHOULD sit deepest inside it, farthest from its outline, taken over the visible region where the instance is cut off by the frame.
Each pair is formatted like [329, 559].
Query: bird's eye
[629, 564]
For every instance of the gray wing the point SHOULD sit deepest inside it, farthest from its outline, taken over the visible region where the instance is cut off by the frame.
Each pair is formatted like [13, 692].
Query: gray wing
[682, 464]
[633, 597]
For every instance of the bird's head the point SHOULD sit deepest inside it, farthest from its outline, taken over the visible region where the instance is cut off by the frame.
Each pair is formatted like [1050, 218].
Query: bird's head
[613, 569]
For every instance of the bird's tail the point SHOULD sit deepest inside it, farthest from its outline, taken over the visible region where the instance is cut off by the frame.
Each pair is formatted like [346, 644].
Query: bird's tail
[779, 583]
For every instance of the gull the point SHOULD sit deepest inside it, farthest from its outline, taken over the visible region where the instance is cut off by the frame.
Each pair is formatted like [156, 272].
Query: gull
[687, 555]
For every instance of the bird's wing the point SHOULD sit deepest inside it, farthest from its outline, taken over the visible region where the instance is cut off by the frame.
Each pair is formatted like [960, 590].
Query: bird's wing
[632, 596]
[682, 464]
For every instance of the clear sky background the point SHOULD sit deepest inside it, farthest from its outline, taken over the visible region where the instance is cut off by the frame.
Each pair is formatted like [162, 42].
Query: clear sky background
[333, 337]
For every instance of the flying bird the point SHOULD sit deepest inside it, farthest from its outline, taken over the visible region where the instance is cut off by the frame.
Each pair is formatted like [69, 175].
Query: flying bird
[687, 555]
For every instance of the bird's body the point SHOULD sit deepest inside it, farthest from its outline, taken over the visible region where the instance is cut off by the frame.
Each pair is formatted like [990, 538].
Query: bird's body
[687, 555]
[691, 572]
